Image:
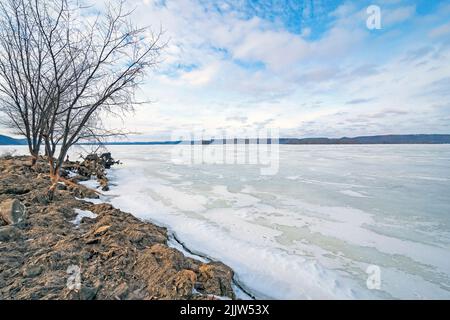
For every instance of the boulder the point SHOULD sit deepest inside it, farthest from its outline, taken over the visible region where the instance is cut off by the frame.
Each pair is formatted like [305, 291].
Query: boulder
[88, 293]
[40, 197]
[12, 211]
[9, 233]
[166, 273]
[32, 271]
[216, 278]
[121, 291]
[101, 230]
[103, 181]
[184, 282]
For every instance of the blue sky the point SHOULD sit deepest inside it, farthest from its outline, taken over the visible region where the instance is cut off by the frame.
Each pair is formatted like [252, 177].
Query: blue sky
[307, 67]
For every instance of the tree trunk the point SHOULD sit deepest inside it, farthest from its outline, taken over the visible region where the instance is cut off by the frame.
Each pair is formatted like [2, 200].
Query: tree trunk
[54, 178]
[34, 159]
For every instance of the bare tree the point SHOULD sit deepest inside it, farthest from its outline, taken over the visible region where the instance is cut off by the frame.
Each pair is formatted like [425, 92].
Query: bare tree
[98, 64]
[23, 67]
[85, 67]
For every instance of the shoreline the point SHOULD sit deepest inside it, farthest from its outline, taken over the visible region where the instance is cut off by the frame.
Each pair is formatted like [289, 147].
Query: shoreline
[240, 291]
[119, 256]
[174, 242]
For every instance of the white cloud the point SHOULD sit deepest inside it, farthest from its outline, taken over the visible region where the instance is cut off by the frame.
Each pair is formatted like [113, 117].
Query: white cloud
[345, 64]
[443, 30]
[398, 15]
[221, 68]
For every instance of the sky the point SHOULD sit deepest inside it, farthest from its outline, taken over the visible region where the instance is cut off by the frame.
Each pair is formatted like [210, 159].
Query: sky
[311, 68]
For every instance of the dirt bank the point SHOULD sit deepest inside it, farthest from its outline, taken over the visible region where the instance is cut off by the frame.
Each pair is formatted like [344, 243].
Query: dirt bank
[73, 249]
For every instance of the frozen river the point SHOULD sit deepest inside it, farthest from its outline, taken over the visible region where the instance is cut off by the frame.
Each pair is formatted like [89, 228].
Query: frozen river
[329, 220]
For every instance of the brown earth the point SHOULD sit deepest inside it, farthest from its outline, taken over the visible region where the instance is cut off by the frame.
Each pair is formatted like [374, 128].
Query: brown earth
[118, 255]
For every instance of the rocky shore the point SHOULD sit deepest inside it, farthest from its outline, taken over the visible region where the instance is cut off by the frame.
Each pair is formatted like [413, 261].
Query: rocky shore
[70, 248]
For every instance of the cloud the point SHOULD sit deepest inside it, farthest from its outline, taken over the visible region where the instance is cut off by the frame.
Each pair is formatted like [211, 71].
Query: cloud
[200, 77]
[387, 113]
[394, 16]
[440, 31]
[242, 63]
[359, 101]
[237, 118]
[439, 87]
[417, 54]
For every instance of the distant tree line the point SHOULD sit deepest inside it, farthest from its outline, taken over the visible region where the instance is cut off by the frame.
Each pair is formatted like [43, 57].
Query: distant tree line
[63, 69]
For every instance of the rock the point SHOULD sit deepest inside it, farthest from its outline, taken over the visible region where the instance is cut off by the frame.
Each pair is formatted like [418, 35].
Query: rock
[40, 197]
[166, 272]
[216, 279]
[93, 165]
[121, 291]
[102, 230]
[61, 186]
[32, 271]
[118, 255]
[81, 178]
[184, 282]
[91, 157]
[9, 233]
[135, 235]
[88, 293]
[103, 181]
[12, 211]
[18, 190]
[92, 241]
[81, 191]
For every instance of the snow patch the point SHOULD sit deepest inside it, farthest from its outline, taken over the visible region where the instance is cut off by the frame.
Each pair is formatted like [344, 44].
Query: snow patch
[82, 214]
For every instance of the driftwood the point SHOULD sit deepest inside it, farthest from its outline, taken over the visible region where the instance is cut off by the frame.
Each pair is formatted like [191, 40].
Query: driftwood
[93, 165]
